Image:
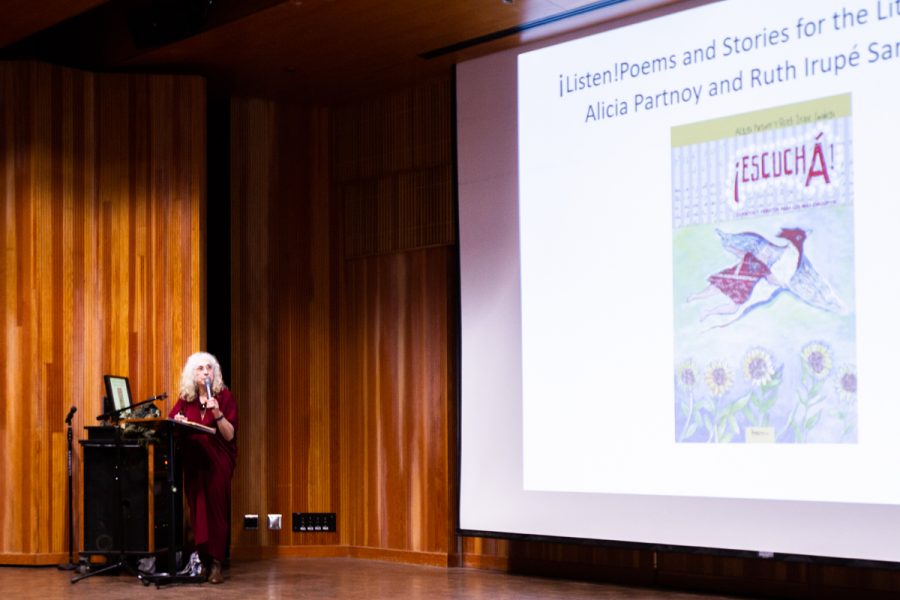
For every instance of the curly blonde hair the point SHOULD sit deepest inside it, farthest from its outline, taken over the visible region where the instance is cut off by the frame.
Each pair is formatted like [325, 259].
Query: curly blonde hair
[188, 389]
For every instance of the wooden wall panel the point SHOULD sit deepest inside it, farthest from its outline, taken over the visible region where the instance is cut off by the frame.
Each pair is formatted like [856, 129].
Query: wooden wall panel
[253, 151]
[284, 322]
[342, 231]
[102, 186]
[394, 404]
[393, 171]
[392, 177]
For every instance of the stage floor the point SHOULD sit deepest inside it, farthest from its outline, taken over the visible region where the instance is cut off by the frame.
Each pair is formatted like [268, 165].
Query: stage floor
[321, 578]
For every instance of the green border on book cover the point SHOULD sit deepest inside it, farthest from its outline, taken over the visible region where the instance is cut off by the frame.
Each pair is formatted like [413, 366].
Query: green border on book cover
[801, 113]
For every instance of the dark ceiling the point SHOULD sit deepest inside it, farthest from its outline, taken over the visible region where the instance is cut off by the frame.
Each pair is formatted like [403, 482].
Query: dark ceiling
[296, 49]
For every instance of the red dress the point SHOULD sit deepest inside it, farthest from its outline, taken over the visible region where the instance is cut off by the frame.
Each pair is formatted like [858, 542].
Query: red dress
[738, 281]
[208, 463]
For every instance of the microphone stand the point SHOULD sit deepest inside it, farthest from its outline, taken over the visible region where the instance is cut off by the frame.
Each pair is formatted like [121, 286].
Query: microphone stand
[116, 413]
[69, 566]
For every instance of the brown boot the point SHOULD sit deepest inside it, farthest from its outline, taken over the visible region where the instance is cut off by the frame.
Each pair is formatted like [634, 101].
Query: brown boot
[215, 573]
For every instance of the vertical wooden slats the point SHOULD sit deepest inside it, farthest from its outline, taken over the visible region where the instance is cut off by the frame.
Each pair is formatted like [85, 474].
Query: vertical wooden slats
[342, 226]
[283, 337]
[252, 154]
[393, 171]
[396, 207]
[76, 228]
[394, 402]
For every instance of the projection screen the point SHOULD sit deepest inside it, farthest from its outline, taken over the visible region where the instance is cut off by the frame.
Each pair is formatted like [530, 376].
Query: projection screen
[678, 305]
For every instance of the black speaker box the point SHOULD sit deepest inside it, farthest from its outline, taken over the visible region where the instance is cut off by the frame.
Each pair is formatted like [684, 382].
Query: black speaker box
[115, 498]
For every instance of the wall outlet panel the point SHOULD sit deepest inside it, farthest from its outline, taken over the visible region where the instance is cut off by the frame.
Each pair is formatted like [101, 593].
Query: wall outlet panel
[314, 522]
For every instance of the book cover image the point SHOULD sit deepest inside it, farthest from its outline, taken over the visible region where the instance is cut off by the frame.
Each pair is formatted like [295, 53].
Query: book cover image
[763, 276]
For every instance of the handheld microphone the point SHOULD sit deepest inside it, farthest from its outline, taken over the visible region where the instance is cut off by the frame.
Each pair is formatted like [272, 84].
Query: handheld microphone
[69, 416]
[208, 393]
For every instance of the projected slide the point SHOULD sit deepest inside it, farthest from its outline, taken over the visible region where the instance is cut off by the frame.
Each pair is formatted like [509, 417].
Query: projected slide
[679, 321]
[688, 209]
[764, 328]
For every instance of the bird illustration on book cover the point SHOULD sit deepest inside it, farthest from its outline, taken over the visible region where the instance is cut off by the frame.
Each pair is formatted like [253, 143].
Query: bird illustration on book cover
[763, 257]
